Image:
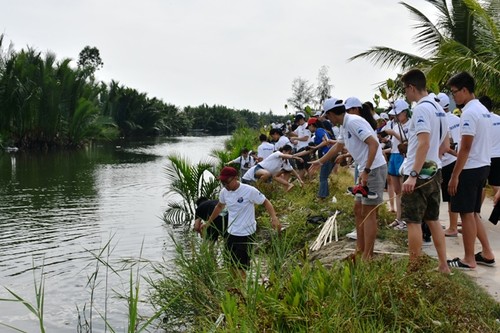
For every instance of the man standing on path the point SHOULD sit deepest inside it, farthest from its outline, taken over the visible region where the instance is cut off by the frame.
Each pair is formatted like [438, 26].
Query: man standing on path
[361, 141]
[240, 200]
[421, 197]
[448, 161]
[471, 171]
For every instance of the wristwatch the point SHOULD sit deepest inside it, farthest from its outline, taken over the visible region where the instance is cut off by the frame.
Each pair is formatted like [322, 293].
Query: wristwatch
[368, 170]
[413, 174]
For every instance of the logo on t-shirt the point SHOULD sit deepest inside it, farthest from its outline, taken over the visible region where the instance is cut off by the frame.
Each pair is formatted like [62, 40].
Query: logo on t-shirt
[349, 135]
[466, 123]
[240, 200]
[360, 130]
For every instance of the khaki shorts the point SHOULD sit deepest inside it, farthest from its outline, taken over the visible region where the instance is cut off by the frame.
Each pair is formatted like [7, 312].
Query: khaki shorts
[376, 183]
[423, 203]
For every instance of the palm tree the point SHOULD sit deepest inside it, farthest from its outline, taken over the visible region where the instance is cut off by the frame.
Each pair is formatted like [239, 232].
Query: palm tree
[465, 37]
[189, 182]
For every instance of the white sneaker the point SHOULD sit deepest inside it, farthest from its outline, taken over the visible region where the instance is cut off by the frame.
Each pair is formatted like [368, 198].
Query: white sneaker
[352, 235]
[425, 243]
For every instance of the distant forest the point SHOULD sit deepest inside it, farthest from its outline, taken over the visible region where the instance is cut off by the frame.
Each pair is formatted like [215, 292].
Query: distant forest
[47, 103]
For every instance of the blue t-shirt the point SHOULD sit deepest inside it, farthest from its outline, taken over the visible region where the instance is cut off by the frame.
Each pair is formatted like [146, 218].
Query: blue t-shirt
[318, 138]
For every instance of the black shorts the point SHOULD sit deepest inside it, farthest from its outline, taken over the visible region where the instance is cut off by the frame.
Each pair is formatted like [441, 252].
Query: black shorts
[494, 176]
[305, 160]
[446, 172]
[240, 249]
[470, 190]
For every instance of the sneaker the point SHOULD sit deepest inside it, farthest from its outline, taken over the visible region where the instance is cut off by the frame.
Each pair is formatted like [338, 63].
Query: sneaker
[362, 191]
[480, 260]
[427, 243]
[352, 235]
[401, 226]
[394, 223]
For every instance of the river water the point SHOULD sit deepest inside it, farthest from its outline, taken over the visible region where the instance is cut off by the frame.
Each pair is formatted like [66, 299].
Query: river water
[59, 209]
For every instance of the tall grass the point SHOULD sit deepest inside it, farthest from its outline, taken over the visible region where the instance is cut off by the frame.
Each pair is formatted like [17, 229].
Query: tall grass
[101, 272]
[287, 292]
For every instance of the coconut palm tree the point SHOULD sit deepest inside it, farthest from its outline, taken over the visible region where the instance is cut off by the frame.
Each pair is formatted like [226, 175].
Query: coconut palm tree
[465, 36]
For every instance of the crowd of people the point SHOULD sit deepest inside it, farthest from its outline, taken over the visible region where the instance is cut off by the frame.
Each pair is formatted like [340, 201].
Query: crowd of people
[420, 153]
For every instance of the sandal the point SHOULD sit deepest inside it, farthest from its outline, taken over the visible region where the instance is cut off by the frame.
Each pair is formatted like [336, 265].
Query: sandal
[456, 263]
[480, 260]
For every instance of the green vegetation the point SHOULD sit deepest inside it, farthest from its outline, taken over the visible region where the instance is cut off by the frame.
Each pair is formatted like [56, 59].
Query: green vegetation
[464, 37]
[49, 104]
[291, 289]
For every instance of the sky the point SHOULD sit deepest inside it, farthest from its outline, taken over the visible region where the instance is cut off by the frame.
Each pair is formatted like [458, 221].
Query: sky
[241, 54]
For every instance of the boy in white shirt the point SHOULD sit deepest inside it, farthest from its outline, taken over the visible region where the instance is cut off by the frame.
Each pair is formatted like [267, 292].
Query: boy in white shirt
[360, 139]
[471, 171]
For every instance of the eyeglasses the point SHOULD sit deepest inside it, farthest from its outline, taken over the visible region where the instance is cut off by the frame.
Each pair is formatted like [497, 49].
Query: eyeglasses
[453, 92]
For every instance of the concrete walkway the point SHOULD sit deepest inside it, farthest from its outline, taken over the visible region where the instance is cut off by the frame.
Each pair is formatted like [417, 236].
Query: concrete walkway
[487, 277]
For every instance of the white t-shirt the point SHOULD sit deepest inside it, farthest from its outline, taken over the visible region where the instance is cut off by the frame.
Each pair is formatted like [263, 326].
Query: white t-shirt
[302, 131]
[282, 141]
[273, 163]
[354, 131]
[428, 117]
[265, 149]
[454, 134]
[245, 163]
[495, 135]
[240, 207]
[476, 121]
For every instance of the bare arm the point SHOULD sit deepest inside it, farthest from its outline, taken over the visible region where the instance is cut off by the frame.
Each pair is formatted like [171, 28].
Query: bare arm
[217, 210]
[274, 219]
[422, 149]
[372, 152]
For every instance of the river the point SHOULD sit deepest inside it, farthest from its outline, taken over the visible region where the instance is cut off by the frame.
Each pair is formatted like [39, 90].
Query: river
[59, 209]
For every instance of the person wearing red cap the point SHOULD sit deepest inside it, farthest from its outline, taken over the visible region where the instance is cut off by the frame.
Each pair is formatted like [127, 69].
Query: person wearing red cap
[240, 200]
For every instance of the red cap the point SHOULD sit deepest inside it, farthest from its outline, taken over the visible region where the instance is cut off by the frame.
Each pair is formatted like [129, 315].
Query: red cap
[312, 121]
[227, 172]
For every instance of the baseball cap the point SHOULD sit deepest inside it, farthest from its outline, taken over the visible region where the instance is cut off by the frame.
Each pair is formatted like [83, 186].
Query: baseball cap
[318, 114]
[352, 102]
[398, 107]
[312, 121]
[443, 100]
[384, 115]
[333, 103]
[227, 172]
[300, 115]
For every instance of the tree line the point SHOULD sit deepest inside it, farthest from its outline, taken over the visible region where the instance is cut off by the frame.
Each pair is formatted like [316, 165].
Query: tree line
[47, 103]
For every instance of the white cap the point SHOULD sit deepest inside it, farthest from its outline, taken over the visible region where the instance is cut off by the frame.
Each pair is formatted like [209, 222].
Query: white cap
[318, 114]
[352, 102]
[384, 115]
[332, 103]
[398, 107]
[376, 116]
[443, 100]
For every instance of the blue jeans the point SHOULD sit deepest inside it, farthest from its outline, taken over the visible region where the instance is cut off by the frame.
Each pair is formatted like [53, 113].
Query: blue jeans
[325, 171]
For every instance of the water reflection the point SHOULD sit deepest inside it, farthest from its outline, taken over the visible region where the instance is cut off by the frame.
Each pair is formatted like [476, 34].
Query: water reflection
[58, 208]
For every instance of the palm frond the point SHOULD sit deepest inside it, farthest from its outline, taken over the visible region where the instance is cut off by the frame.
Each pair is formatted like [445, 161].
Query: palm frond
[428, 36]
[388, 57]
